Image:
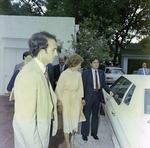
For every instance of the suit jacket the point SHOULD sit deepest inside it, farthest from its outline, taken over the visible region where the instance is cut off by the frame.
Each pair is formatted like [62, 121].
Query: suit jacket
[12, 80]
[51, 74]
[57, 72]
[18, 66]
[33, 108]
[140, 71]
[88, 84]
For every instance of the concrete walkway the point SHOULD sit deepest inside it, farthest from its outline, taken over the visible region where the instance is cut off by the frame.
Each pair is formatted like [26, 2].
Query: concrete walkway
[7, 138]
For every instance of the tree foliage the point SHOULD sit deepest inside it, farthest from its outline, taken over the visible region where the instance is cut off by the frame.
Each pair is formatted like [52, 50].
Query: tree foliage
[127, 18]
[6, 7]
[91, 42]
[146, 44]
[35, 7]
[134, 16]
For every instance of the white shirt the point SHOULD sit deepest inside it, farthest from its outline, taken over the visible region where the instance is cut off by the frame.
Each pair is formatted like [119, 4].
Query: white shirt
[94, 82]
[144, 70]
[41, 65]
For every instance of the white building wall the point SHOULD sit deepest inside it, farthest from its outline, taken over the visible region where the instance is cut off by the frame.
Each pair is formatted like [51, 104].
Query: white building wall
[15, 32]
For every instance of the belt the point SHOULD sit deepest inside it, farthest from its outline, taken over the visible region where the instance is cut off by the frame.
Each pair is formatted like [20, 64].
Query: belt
[95, 90]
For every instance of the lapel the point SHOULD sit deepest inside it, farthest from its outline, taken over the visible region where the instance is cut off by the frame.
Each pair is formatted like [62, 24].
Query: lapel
[100, 77]
[65, 67]
[91, 76]
[58, 68]
[38, 70]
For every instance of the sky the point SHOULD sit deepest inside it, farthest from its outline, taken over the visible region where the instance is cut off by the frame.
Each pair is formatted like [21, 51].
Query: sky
[134, 40]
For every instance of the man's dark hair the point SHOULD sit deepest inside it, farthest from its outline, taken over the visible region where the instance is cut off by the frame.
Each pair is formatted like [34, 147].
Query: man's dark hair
[25, 54]
[39, 41]
[93, 58]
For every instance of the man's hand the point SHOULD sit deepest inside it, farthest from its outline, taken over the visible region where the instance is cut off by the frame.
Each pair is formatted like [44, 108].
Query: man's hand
[111, 93]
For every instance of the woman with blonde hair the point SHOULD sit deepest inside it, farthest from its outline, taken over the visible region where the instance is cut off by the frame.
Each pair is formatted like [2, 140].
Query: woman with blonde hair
[69, 91]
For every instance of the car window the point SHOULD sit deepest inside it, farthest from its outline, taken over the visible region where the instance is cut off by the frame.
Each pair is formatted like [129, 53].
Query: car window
[147, 101]
[119, 88]
[129, 95]
[117, 71]
[108, 70]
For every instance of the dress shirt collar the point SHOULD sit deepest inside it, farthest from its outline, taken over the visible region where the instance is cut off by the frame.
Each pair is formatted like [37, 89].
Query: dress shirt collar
[41, 65]
[93, 70]
[63, 67]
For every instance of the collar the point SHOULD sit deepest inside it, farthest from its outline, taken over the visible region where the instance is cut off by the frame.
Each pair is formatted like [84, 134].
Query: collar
[62, 66]
[93, 70]
[41, 65]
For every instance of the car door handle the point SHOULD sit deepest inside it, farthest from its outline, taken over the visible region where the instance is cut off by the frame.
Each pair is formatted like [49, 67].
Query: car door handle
[148, 121]
[113, 113]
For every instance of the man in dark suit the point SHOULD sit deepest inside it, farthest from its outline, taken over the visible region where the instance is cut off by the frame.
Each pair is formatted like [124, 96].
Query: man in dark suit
[18, 66]
[59, 68]
[50, 70]
[93, 82]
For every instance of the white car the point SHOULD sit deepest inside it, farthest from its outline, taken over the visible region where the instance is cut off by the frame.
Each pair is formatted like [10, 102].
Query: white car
[112, 74]
[128, 111]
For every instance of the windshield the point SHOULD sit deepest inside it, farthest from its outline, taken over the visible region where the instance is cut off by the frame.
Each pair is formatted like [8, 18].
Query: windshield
[147, 101]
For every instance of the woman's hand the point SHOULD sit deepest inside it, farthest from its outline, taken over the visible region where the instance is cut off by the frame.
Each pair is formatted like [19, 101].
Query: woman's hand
[83, 102]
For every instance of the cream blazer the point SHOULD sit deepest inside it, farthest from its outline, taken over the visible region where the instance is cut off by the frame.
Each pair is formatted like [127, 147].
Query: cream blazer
[33, 108]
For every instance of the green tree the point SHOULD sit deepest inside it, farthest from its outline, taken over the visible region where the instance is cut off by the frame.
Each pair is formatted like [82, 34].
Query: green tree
[146, 44]
[134, 16]
[128, 18]
[29, 7]
[91, 42]
[6, 7]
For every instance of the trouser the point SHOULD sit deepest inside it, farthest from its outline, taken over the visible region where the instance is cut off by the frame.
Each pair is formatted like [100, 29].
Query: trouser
[93, 107]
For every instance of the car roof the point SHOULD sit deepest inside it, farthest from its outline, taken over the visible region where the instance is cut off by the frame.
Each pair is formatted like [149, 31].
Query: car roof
[113, 67]
[136, 105]
[139, 80]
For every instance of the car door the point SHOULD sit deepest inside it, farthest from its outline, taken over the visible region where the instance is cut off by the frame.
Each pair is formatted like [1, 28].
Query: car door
[114, 110]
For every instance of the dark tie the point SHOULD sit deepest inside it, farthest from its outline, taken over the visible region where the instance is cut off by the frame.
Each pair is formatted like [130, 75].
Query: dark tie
[47, 79]
[96, 81]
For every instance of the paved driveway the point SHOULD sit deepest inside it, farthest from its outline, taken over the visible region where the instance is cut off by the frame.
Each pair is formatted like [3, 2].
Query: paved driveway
[7, 139]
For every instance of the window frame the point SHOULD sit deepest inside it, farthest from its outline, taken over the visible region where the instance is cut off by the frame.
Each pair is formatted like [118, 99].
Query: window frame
[114, 84]
[133, 85]
[145, 101]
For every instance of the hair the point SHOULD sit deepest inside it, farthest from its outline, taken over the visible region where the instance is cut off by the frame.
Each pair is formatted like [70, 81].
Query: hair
[39, 41]
[27, 60]
[25, 54]
[93, 58]
[73, 60]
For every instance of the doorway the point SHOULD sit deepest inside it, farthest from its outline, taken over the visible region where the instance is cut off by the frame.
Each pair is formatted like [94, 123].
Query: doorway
[135, 64]
[12, 56]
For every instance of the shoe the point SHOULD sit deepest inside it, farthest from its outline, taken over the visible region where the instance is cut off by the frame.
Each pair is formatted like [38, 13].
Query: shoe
[95, 136]
[84, 138]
